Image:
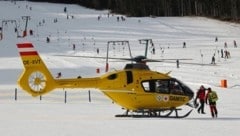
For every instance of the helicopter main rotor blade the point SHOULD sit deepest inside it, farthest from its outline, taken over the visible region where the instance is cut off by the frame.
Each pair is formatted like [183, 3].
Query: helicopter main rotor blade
[136, 59]
[191, 63]
[163, 60]
[98, 57]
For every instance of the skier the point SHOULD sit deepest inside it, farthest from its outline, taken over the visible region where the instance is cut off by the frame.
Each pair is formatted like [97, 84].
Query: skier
[48, 40]
[184, 44]
[97, 50]
[221, 53]
[201, 96]
[153, 50]
[211, 99]
[225, 45]
[31, 32]
[65, 9]
[177, 62]
[74, 47]
[235, 44]
[0, 33]
[213, 59]
[59, 74]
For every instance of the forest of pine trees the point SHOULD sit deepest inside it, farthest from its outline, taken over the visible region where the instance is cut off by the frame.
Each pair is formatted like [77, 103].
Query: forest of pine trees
[221, 9]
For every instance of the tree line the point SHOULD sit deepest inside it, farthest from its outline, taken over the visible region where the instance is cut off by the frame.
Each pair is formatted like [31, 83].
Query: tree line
[222, 9]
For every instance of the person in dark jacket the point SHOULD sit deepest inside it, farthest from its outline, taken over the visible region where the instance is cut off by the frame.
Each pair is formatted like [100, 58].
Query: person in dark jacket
[201, 96]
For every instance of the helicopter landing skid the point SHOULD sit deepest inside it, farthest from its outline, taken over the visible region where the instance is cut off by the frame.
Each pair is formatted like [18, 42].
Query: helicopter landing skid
[155, 114]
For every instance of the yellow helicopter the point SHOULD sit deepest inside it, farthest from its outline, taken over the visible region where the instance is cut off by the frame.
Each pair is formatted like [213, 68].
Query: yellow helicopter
[135, 88]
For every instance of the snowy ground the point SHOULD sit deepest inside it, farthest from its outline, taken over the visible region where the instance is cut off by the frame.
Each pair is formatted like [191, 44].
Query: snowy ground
[51, 116]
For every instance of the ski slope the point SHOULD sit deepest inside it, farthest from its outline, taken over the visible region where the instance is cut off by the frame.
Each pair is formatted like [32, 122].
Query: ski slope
[52, 117]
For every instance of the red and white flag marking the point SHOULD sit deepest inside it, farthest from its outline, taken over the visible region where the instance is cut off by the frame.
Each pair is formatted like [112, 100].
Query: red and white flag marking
[26, 49]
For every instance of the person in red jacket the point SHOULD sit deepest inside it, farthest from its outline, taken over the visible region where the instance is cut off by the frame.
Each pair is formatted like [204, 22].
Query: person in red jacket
[201, 95]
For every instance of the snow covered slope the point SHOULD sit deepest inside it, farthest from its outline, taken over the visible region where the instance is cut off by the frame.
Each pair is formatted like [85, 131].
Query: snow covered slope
[80, 26]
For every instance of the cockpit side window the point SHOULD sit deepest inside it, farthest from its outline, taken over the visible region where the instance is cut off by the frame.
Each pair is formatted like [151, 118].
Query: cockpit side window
[148, 86]
[166, 86]
[162, 86]
[158, 86]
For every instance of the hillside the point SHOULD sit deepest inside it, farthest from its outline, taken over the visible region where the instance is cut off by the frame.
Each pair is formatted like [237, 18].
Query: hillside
[90, 30]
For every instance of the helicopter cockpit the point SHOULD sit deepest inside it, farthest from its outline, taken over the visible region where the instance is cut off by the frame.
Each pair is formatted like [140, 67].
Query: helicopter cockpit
[167, 86]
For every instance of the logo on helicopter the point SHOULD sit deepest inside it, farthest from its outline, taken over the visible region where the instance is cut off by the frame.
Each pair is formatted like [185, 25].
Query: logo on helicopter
[164, 98]
[177, 98]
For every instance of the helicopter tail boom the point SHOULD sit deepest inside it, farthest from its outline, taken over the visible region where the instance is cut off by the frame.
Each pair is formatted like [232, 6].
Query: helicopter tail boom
[36, 78]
